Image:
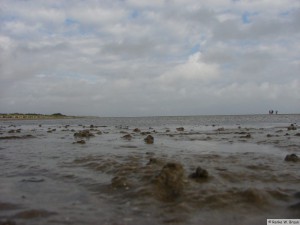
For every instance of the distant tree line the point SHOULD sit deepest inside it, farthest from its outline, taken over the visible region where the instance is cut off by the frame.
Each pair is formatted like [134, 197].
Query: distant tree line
[30, 115]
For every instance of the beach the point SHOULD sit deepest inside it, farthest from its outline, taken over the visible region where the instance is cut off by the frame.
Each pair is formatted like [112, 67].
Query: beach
[150, 170]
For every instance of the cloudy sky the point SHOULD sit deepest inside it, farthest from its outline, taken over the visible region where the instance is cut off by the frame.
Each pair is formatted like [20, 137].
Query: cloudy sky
[149, 57]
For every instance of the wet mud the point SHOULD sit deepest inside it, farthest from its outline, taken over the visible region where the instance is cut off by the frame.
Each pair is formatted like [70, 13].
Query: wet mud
[152, 174]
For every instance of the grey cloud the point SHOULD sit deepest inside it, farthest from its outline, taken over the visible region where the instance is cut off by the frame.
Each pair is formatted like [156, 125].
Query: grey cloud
[115, 58]
[126, 48]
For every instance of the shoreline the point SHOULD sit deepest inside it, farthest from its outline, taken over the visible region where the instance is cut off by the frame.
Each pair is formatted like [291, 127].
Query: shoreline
[42, 118]
[4, 116]
[35, 116]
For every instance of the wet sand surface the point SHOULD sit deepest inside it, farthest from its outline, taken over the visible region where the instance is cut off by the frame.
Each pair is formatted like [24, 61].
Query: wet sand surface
[165, 170]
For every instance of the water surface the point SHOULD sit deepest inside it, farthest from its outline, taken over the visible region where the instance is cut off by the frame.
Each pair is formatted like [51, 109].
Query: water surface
[46, 177]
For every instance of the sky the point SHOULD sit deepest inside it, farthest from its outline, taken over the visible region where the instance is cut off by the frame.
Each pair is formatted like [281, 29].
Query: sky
[149, 57]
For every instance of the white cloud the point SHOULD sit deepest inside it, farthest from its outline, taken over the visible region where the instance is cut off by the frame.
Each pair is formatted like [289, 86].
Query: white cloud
[194, 70]
[96, 16]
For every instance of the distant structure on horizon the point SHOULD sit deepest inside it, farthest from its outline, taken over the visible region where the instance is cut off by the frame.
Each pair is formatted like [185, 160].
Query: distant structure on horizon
[271, 112]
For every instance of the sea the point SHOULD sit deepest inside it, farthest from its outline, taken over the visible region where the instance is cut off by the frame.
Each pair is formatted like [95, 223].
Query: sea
[232, 169]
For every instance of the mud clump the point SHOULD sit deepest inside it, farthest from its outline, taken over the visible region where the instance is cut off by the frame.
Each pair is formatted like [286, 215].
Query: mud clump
[137, 130]
[149, 139]
[14, 131]
[80, 142]
[8, 222]
[127, 137]
[292, 158]
[180, 128]
[292, 127]
[199, 174]
[246, 136]
[31, 214]
[254, 196]
[120, 182]
[83, 134]
[17, 137]
[7, 206]
[221, 129]
[169, 183]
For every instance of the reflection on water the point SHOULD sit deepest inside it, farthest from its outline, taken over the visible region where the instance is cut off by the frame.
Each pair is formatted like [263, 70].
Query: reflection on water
[48, 176]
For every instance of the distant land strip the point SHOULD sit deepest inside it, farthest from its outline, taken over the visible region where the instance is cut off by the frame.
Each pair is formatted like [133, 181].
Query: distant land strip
[33, 116]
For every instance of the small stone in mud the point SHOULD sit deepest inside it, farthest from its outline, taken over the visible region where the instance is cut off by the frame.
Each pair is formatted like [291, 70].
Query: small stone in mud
[292, 127]
[269, 135]
[298, 134]
[154, 161]
[180, 129]
[149, 139]
[127, 137]
[292, 158]
[79, 142]
[221, 129]
[150, 153]
[246, 136]
[8, 222]
[199, 173]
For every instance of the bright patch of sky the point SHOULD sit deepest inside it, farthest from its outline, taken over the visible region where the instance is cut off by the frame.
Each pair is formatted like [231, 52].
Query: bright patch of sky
[246, 17]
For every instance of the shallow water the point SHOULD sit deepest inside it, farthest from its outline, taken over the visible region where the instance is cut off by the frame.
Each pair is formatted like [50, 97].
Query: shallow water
[48, 178]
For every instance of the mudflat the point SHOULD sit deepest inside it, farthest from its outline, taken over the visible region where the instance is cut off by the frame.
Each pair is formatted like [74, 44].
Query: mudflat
[152, 170]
